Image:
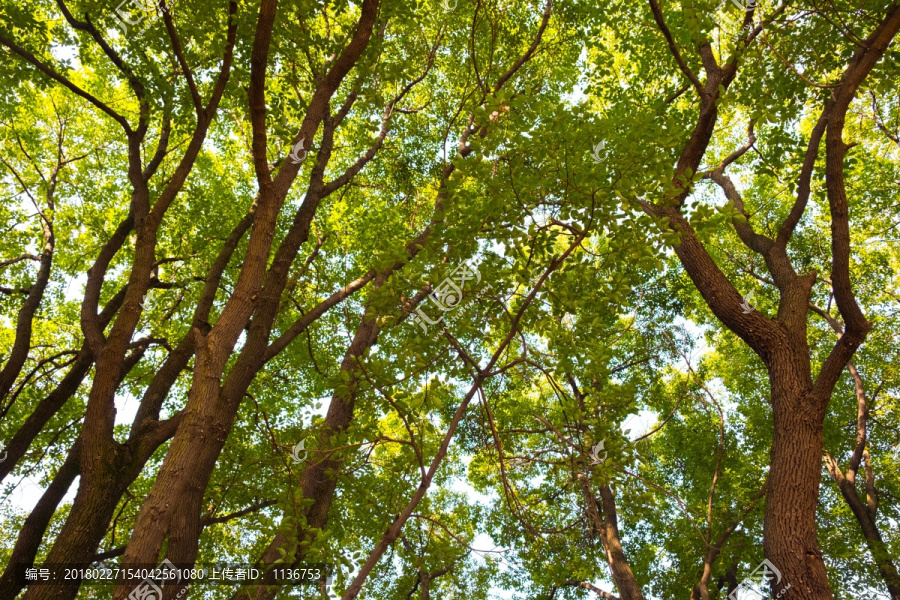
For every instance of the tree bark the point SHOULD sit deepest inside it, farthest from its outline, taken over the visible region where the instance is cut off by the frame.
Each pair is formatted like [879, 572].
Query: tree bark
[94, 507]
[314, 482]
[605, 522]
[790, 539]
[147, 432]
[108, 467]
[623, 576]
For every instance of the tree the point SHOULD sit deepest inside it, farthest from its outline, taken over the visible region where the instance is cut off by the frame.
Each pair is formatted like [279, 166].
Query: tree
[445, 295]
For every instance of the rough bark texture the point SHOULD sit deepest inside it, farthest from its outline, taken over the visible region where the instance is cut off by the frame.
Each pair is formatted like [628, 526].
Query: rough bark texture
[314, 483]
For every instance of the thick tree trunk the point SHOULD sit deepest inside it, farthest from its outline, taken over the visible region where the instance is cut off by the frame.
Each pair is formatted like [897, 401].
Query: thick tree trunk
[98, 496]
[108, 467]
[790, 537]
[96, 502]
[212, 407]
[174, 505]
[701, 590]
[799, 404]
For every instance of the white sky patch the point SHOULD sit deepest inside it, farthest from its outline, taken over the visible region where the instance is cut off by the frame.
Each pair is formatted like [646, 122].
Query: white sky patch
[639, 424]
[27, 491]
[74, 291]
[69, 53]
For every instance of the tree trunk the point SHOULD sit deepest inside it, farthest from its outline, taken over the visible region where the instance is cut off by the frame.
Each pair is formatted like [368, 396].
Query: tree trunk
[94, 506]
[212, 407]
[622, 574]
[315, 483]
[605, 522]
[799, 404]
[790, 537]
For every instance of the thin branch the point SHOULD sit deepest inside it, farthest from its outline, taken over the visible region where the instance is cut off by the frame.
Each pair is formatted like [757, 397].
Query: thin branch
[673, 48]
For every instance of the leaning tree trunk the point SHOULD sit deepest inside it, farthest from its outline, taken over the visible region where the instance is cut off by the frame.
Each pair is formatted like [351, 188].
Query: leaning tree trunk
[32, 532]
[873, 537]
[92, 510]
[604, 522]
[212, 407]
[623, 576]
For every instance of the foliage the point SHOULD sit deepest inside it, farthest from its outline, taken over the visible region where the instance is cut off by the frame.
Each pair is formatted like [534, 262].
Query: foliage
[455, 142]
